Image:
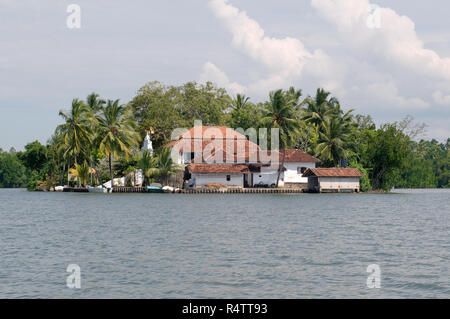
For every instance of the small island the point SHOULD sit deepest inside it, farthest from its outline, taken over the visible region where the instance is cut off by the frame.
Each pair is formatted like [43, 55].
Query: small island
[150, 144]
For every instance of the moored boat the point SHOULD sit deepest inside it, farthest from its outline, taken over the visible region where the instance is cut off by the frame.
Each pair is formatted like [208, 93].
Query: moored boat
[155, 189]
[170, 189]
[99, 189]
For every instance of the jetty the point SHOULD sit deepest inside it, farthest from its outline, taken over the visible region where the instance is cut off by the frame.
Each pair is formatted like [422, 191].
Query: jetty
[122, 189]
[243, 191]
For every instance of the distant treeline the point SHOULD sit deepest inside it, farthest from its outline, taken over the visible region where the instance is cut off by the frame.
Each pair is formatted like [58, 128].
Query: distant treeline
[106, 136]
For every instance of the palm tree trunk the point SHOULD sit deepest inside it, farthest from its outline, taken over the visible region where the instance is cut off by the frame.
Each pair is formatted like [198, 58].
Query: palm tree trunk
[281, 167]
[78, 178]
[110, 170]
[68, 163]
[90, 172]
[61, 173]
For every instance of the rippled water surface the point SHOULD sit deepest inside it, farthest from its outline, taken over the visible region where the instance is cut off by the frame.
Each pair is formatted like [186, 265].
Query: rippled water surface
[225, 246]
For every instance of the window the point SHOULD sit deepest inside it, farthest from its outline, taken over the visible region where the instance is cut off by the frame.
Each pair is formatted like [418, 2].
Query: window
[228, 178]
[301, 170]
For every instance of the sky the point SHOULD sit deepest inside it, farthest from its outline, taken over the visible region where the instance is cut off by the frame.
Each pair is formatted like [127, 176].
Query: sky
[385, 58]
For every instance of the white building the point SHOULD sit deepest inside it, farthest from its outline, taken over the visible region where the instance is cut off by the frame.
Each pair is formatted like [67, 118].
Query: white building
[220, 155]
[296, 163]
[137, 177]
[333, 179]
[148, 145]
[230, 175]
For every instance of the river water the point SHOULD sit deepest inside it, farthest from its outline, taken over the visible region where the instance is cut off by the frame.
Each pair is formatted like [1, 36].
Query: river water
[225, 245]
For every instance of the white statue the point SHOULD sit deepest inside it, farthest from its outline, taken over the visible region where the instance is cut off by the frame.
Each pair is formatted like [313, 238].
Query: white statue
[148, 145]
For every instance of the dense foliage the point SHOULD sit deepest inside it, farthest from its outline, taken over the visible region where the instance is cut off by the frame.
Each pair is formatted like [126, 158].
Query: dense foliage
[100, 139]
[12, 171]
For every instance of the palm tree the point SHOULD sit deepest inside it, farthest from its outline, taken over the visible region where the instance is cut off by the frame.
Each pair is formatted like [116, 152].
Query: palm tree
[280, 114]
[332, 140]
[115, 132]
[147, 163]
[82, 172]
[166, 165]
[294, 95]
[319, 107]
[346, 117]
[56, 154]
[95, 103]
[239, 102]
[77, 129]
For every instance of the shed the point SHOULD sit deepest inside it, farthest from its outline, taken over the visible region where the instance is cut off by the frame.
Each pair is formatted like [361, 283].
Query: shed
[226, 174]
[333, 179]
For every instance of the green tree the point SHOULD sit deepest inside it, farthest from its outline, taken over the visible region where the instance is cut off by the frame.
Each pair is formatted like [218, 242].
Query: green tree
[165, 108]
[320, 107]
[156, 106]
[239, 102]
[33, 180]
[388, 151]
[116, 132]
[55, 158]
[148, 165]
[293, 95]
[166, 165]
[12, 171]
[77, 129]
[82, 171]
[35, 156]
[365, 184]
[95, 103]
[280, 114]
[245, 117]
[205, 102]
[331, 146]
[427, 166]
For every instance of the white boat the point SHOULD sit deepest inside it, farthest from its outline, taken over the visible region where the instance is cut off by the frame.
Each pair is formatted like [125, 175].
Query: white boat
[59, 188]
[99, 189]
[170, 189]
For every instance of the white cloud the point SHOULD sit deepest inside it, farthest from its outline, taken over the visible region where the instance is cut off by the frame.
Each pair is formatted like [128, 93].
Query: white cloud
[387, 92]
[440, 98]
[396, 41]
[286, 54]
[213, 74]
[438, 128]
[287, 61]
[284, 59]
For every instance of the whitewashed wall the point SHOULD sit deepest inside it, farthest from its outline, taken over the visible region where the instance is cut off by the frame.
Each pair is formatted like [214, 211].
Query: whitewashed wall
[182, 157]
[265, 178]
[339, 182]
[203, 179]
[291, 175]
[268, 176]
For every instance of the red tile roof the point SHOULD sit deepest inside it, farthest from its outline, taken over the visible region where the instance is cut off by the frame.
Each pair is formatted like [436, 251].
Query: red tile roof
[209, 132]
[235, 147]
[295, 156]
[333, 172]
[216, 150]
[218, 168]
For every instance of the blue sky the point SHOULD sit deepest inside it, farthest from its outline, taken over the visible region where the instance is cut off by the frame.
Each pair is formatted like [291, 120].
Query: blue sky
[401, 68]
